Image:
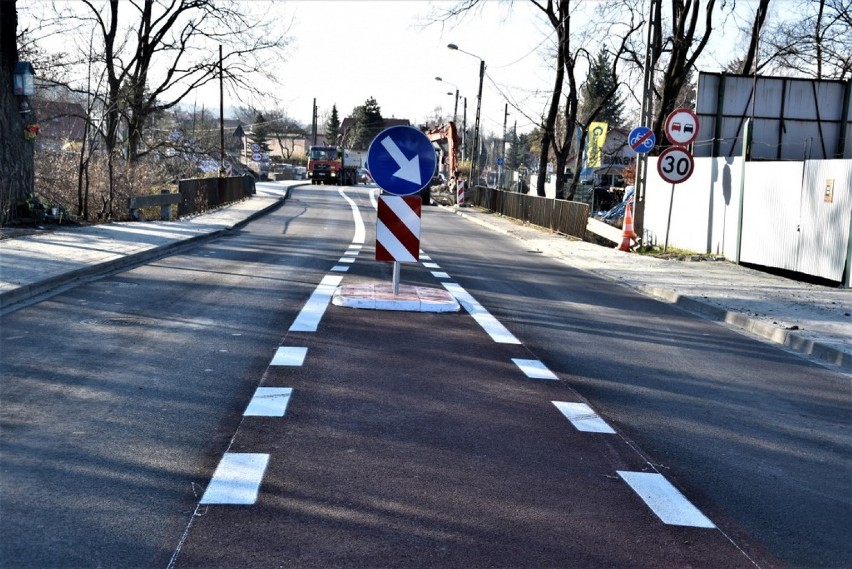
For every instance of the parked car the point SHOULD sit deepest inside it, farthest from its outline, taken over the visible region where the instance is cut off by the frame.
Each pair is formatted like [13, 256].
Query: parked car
[364, 176]
[614, 216]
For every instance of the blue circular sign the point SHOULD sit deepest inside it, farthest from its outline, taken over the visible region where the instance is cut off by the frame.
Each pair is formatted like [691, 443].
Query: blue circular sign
[401, 160]
[641, 139]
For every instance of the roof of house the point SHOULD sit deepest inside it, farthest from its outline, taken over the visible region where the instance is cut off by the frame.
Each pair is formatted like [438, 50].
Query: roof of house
[59, 120]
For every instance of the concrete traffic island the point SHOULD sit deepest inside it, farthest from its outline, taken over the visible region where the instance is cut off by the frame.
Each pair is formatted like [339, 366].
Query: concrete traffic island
[381, 297]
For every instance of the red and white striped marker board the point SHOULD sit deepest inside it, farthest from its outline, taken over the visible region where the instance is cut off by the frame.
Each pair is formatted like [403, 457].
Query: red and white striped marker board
[398, 229]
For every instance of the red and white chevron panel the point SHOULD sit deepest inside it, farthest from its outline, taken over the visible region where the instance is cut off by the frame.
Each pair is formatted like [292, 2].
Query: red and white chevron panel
[398, 229]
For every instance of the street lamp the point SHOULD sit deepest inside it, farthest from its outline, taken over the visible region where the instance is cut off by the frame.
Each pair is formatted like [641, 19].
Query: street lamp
[456, 107]
[475, 162]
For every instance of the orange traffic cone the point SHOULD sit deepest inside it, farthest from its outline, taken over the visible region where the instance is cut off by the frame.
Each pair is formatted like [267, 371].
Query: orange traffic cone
[627, 234]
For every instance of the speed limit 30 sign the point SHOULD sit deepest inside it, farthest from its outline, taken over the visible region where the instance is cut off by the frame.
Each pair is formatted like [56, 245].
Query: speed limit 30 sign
[675, 164]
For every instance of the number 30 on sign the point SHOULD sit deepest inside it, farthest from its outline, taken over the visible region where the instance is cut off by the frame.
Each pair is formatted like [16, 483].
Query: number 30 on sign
[675, 164]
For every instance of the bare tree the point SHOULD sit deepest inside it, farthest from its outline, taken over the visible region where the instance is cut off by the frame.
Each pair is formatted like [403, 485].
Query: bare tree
[750, 62]
[816, 43]
[685, 44]
[167, 51]
[559, 17]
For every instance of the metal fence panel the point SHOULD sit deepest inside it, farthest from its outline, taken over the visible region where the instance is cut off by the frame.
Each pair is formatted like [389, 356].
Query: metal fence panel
[825, 213]
[561, 216]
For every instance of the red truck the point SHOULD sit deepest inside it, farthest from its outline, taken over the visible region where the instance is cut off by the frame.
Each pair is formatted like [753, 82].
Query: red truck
[333, 165]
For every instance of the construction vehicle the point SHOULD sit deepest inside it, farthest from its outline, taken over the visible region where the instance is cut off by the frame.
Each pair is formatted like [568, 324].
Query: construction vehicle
[333, 165]
[446, 142]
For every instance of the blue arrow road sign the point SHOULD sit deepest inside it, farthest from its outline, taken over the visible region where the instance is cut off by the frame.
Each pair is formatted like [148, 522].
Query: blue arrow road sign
[402, 160]
[641, 139]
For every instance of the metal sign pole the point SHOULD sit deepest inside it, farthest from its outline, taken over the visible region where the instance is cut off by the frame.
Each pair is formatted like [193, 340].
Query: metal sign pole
[669, 222]
[396, 266]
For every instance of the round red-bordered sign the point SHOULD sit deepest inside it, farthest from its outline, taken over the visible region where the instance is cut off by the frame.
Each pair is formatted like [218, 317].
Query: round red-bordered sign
[675, 164]
[682, 126]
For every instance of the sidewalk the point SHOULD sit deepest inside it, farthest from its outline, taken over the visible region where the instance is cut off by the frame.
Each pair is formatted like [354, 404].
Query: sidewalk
[809, 319]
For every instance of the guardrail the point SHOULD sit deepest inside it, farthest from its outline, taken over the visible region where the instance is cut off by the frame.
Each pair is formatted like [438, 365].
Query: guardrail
[562, 216]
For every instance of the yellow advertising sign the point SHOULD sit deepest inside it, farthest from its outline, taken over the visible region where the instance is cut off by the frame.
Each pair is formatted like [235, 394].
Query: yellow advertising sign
[597, 138]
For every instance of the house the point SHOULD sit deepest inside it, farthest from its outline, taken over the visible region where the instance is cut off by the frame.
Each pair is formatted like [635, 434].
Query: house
[62, 126]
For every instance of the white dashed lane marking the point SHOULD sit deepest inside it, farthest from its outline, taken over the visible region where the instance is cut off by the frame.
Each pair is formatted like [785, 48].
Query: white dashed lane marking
[665, 500]
[534, 369]
[583, 418]
[269, 402]
[237, 479]
[440, 275]
[289, 356]
[491, 325]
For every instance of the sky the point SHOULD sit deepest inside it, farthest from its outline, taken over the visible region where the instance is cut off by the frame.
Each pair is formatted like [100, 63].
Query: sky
[343, 52]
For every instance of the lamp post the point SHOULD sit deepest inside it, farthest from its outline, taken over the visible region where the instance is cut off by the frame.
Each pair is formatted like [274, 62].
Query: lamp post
[456, 107]
[475, 161]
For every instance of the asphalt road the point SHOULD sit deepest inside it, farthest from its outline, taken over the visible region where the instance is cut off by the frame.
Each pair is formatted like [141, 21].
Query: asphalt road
[409, 440]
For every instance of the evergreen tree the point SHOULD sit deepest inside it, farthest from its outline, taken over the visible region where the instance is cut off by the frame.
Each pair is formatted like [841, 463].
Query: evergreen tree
[599, 84]
[260, 132]
[332, 126]
[368, 123]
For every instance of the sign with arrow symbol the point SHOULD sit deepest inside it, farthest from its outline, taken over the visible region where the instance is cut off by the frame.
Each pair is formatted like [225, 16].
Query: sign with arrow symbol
[401, 160]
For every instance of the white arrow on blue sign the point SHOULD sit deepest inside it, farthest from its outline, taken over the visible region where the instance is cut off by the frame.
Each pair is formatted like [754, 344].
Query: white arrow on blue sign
[641, 139]
[402, 160]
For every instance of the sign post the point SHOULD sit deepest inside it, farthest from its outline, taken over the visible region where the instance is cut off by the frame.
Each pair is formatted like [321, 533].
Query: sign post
[675, 164]
[402, 162]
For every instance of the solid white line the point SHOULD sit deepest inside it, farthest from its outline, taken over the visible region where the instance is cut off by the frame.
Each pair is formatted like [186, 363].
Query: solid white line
[311, 314]
[269, 402]
[491, 325]
[360, 232]
[289, 356]
[665, 500]
[534, 369]
[583, 418]
[237, 479]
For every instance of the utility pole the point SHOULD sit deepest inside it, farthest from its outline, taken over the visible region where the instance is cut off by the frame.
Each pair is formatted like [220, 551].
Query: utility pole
[314, 123]
[647, 120]
[464, 131]
[502, 168]
[221, 116]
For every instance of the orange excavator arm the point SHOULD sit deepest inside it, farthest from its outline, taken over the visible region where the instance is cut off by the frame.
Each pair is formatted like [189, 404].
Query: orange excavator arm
[447, 134]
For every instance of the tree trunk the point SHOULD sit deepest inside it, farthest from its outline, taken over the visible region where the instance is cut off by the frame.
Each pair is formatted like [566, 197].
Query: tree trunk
[17, 173]
[548, 132]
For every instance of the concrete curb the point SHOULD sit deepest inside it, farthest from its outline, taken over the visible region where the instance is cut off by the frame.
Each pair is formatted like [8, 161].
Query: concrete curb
[787, 338]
